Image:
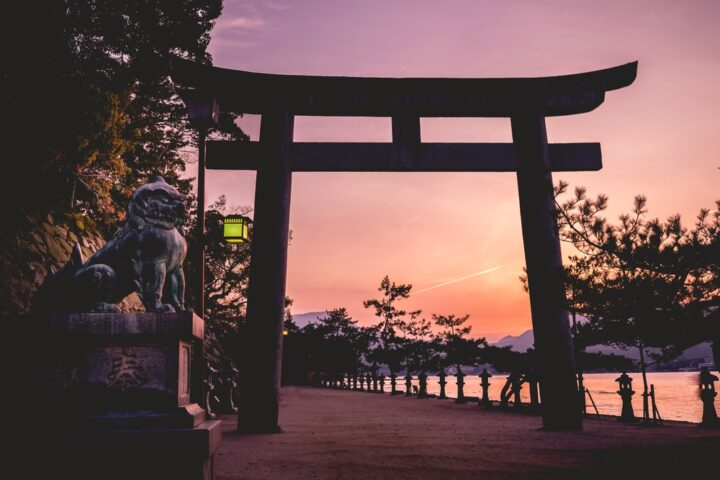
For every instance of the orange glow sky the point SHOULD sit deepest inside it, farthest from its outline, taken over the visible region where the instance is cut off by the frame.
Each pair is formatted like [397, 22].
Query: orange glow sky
[660, 136]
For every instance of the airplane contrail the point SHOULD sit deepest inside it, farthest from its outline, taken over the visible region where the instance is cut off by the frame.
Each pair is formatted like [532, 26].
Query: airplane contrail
[450, 282]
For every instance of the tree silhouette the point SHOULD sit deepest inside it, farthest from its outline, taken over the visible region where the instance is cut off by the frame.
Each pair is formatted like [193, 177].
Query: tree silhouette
[389, 349]
[338, 330]
[92, 110]
[638, 281]
[226, 270]
[421, 348]
[458, 350]
[331, 347]
[92, 78]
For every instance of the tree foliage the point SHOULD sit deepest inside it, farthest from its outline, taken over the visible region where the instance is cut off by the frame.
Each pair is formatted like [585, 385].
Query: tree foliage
[92, 110]
[642, 282]
[226, 270]
[421, 349]
[345, 342]
[332, 346]
[390, 347]
[458, 350]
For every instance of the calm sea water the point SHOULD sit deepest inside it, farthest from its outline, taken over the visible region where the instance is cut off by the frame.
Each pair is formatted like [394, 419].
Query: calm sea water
[677, 394]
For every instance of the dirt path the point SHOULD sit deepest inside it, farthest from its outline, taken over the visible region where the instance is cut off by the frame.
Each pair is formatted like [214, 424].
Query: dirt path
[335, 434]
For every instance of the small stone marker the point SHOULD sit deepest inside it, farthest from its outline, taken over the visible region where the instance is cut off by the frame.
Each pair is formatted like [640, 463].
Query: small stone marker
[393, 384]
[460, 386]
[408, 385]
[626, 392]
[442, 383]
[707, 395]
[422, 381]
[485, 384]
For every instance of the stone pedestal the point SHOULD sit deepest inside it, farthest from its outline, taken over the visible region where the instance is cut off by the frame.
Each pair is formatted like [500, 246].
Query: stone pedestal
[442, 383]
[126, 386]
[422, 381]
[485, 384]
[460, 387]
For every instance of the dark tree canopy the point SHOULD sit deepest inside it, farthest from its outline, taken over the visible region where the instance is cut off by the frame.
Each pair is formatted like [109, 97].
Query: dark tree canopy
[642, 282]
[226, 271]
[458, 349]
[331, 346]
[92, 112]
[390, 347]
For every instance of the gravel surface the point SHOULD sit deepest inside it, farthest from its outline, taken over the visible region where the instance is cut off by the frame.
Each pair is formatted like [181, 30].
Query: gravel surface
[336, 434]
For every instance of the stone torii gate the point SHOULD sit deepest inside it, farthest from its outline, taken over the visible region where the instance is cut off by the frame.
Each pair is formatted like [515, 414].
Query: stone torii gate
[526, 101]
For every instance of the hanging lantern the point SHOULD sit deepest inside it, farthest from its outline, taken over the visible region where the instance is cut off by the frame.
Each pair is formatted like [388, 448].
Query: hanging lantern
[203, 110]
[236, 229]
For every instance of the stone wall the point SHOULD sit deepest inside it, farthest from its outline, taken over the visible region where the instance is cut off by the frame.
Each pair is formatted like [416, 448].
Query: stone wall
[42, 243]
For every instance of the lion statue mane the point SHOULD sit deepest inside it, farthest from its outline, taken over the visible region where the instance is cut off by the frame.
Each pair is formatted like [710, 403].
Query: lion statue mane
[144, 256]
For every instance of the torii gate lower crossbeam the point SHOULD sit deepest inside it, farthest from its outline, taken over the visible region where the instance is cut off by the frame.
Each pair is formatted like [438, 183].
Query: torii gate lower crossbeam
[526, 102]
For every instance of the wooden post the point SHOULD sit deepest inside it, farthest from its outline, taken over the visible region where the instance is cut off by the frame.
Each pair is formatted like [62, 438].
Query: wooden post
[262, 350]
[406, 137]
[199, 367]
[555, 358]
[406, 129]
[200, 286]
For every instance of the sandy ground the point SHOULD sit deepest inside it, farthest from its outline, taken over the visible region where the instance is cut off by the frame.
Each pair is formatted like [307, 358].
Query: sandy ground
[335, 434]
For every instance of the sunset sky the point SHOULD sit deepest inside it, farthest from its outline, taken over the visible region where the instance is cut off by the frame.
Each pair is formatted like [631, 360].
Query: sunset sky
[659, 137]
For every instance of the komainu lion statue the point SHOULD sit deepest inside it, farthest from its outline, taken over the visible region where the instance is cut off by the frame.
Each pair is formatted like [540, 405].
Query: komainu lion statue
[144, 256]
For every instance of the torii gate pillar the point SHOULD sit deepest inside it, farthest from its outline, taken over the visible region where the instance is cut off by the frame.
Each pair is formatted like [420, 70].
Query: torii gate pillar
[555, 356]
[260, 382]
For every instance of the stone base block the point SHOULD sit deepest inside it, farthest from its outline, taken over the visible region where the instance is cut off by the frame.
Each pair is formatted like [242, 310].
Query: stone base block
[177, 454]
[187, 416]
[121, 399]
[127, 361]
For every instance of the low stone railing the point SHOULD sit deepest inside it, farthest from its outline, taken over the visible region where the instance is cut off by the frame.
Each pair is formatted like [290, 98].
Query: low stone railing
[510, 395]
[403, 385]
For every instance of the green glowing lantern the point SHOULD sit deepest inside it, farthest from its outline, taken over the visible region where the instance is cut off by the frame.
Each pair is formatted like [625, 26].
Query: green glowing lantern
[235, 229]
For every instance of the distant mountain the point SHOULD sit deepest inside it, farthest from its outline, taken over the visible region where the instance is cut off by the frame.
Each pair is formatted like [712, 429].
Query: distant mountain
[302, 319]
[525, 340]
[698, 353]
[520, 343]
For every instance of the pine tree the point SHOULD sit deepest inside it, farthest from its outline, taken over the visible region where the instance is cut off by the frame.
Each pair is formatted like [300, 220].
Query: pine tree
[641, 282]
[458, 349]
[389, 349]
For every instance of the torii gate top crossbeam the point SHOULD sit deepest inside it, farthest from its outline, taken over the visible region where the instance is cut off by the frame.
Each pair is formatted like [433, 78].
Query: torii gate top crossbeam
[257, 93]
